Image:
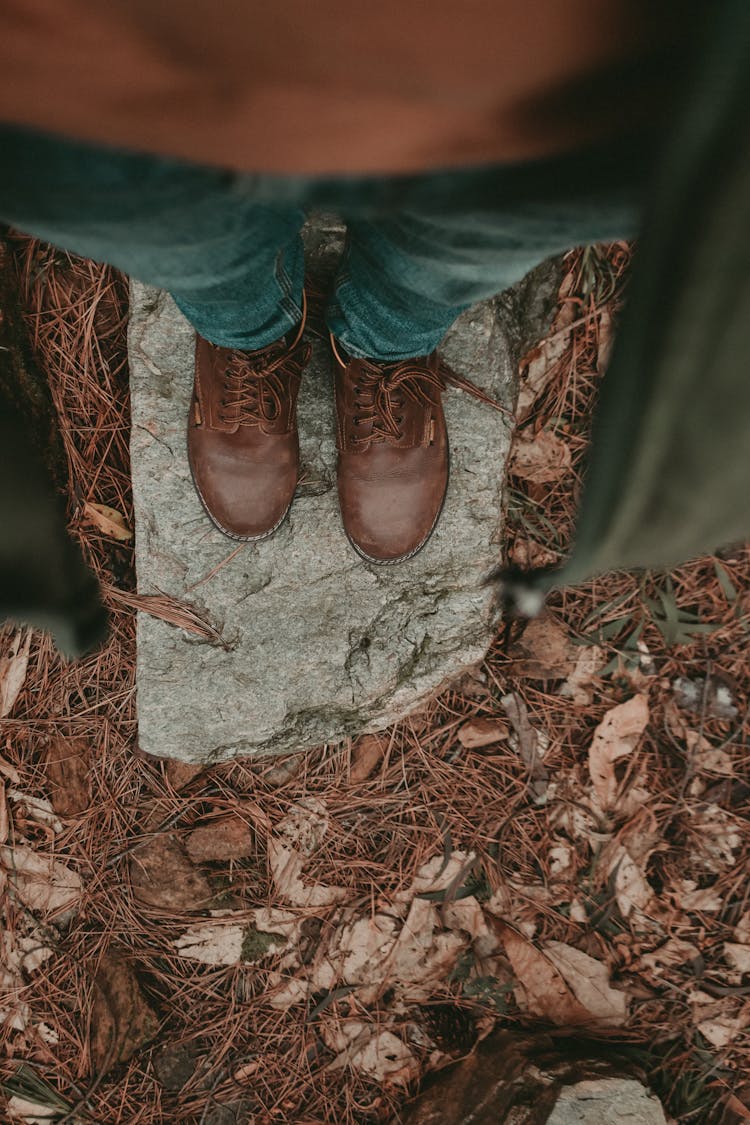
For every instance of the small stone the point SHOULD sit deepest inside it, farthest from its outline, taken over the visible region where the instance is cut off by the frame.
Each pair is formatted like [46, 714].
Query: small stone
[482, 732]
[281, 772]
[228, 838]
[66, 764]
[162, 876]
[180, 774]
[606, 1101]
[175, 1065]
[545, 650]
[228, 1113]
[367, 754]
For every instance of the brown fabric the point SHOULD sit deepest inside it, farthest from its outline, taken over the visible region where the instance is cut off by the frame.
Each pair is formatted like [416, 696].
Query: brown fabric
[339, 86]
[243, 446]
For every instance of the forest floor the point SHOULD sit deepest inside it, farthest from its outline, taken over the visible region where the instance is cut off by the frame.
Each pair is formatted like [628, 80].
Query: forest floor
[560, 840]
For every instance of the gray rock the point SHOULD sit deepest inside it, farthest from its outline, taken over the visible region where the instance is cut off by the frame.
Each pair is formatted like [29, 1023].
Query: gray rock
[607, 1101]
[518, 1077]
[316, 644]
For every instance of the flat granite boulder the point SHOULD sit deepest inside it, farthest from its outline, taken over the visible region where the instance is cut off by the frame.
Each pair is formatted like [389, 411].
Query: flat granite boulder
[314, 642]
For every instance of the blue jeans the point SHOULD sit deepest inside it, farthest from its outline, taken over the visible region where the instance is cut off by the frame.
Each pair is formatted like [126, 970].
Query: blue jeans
[420, 249]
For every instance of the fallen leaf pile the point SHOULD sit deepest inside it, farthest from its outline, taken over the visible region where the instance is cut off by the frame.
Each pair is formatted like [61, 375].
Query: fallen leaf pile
[13, 666]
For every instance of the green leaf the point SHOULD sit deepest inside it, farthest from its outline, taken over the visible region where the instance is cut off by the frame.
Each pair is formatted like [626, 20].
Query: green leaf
[607, 632]
[27, 1083]
[727, 586]
[601, 610]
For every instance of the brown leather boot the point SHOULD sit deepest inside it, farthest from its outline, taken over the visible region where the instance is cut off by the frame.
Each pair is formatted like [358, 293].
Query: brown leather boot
[242, 432]
[393, 451]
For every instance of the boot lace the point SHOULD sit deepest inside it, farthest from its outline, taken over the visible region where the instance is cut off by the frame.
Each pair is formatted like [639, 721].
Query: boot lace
[382, 392]
[256, 383]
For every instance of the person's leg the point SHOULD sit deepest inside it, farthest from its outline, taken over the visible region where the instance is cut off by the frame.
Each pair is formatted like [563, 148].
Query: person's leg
[405, 278]
[234, 267]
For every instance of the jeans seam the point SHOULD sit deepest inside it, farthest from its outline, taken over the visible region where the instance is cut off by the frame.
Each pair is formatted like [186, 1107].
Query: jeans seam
[288, 305]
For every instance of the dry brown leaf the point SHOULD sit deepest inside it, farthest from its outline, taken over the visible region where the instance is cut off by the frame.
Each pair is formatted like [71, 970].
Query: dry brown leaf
[527, 554]
[122, 1020]
[9, 771]
[41, 883]
[579, 686]
[212, 943]
[712, 760]
[367, 754]
[66, 764]
[721, 1029]
[560, 859]
[539, 459]
[544, 651]
[380, 1055]
[738, 956]
[33, 810]
[531, 745]
[734, 1105]
[588, 980]
[437, 874]
[742, 929]
[632, 889]
[13, 667]
[14, 1012]
[21, 954]
[229, 837]
[363, 946]
[539, 366]
[688, 896]
[465, 915]
[482, 732]
[473, 684]
[297, 837]
[616, 736]
[283, 770]
[30, 1112]
[305, 825]
[543, 991]
[224, 941]
[108, 520]
[244, 1072]
[672, 954]
[163, 877]
[704, 757]
[423, 958]
[175, 1064]
[29, 951]
[604, 340]
[287, 866]
[719, 835]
